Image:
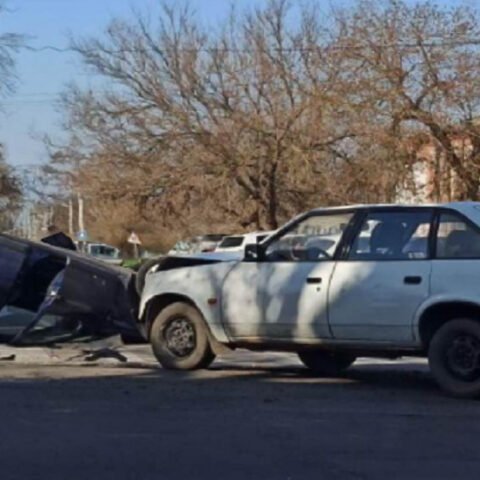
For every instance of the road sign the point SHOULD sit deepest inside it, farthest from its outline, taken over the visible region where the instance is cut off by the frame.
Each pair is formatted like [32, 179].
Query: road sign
[82, 236]
[134, 239]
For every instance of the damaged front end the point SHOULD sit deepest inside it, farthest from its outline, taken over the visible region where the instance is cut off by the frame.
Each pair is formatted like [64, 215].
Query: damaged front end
[50, 295]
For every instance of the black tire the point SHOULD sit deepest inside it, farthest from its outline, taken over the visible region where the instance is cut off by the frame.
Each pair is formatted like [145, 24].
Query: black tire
[326, 363]
[142, 273]
[454, 358]
[179, 338]
[133, 338]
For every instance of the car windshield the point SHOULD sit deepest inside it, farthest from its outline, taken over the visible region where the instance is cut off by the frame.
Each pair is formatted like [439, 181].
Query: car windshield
[230, 242]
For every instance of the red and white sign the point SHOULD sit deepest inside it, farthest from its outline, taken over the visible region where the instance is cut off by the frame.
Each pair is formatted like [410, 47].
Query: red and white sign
[134, 239]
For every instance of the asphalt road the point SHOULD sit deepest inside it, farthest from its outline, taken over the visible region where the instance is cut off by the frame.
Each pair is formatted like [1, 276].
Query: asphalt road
[249, 417]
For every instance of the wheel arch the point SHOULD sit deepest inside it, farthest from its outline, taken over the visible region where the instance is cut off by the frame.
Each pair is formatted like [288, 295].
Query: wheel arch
[159, 302]
[437, 314]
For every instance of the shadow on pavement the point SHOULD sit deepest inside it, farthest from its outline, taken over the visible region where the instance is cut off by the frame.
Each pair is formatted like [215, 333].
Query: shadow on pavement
[404, 379]
[376, 422]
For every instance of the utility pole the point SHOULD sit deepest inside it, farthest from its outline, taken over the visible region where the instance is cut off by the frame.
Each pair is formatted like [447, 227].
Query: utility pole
[81, 223]
[36, 225]
[70, 217]
[28, 223]
[45, 221]
[82, 236]
[51, 215]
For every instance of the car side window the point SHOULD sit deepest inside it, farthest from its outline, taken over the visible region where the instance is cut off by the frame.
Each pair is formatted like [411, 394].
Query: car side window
[399, 235]
[456, 238]
[313, 239]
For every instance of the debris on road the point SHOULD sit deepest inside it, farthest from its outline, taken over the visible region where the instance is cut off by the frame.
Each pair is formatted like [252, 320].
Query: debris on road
[8, 358]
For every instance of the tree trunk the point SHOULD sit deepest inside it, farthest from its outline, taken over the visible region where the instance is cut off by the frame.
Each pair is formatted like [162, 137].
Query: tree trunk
[272, 219]
[470, 190]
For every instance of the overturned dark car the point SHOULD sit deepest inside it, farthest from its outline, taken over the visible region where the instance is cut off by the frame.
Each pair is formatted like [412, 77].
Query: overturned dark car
[49, 295]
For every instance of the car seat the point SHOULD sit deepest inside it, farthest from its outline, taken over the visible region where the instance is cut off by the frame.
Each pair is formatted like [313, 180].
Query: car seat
[387, 239]
[461, 244]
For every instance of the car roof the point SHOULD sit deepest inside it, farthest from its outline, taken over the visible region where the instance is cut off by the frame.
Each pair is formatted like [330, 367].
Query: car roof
[400, 205]
[469, 208]
[460, 206]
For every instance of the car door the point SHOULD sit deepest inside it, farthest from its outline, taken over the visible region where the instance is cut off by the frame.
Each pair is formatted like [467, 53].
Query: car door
[383, 278]
[284, 296]
[12, 258]
[241, 305]
[456, 265]
[13, 255]
[70, 299]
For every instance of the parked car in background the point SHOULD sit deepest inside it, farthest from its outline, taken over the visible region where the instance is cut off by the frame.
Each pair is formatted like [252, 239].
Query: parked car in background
[236, 243]
[332, 285]
[105, 253]
[182, 247]
[53, 295]
[206, 243]
[198, 244]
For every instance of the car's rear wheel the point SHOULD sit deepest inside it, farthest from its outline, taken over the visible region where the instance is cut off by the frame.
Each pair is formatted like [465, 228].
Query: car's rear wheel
[326, 363]
[454, 357]
[179, 338]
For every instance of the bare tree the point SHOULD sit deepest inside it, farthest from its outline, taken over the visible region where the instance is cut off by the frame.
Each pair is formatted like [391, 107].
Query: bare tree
[10, 189]
[243, 126]
[417, 66]
[10, 196]
[9, 45]
[241, 117]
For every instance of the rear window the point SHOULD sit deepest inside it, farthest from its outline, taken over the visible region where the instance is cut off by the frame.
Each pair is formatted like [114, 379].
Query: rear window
[230, 242]
[211, 237]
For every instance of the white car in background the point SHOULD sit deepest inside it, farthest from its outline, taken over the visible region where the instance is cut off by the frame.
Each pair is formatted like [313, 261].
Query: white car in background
[236, 243]
[199, 244]
[182, 247]
[332, 285]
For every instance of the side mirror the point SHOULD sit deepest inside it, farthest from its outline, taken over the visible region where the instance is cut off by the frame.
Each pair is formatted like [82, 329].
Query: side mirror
[254, 252]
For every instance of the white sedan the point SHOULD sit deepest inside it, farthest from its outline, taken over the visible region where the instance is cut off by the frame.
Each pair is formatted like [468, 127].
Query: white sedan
[333, 284]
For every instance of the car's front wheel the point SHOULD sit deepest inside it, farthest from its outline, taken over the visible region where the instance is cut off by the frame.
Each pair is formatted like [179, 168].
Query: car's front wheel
[454, 357]
[326, 363]
[179, 338]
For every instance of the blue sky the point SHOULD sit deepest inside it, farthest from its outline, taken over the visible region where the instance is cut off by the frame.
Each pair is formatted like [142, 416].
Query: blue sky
[31, 111]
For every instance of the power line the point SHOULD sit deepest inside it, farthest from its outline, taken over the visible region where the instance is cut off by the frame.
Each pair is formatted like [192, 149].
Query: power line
[52, 98]
[40, 98]
[430, 44]
[38, 94]
[13, 103]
